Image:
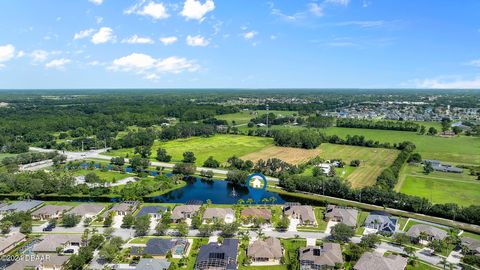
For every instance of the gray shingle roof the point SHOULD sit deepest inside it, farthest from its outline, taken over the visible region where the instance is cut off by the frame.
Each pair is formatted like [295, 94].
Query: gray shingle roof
[153, 264]
[179, 211]
[326, 255]
[305, 212]
[221, 213]
[381, 221]
[7, 241]
[347, 215]
[376, 261]
[270, 248]
[51, 210]
[153, 209]
[432, 231]
[21, 206]
[471, 244]
[87, 209]
[218, 256]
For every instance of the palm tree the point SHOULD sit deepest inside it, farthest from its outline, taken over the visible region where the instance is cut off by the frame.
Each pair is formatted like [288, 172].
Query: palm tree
[250, 201]
[241, 201]
[273, 199]
[265, 200]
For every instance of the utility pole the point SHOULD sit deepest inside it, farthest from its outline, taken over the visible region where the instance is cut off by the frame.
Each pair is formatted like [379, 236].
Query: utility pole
[267, 118]
[82, 145]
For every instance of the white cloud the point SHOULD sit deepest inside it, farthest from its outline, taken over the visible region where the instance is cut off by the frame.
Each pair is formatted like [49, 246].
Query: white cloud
[83, 34]
[249, 35]
[135, 39]
[98, 19]
[151, 67]
[96, 2]
[39, 55]
[168, 40]
[57, 63]
[20, 54]
[155, 10]
[105, 34]
[315, 9]
[339, 2]
[7, 52]
[197, 41]
[363, 24]
[449, 84]
[475, 63]
[195, 10]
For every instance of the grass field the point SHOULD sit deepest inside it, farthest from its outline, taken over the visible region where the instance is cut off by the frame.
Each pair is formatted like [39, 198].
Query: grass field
[221, 147]
[287, 154]
[373, 161]
[108, 176]
[2, 156]
[462, 149]
[244, 117]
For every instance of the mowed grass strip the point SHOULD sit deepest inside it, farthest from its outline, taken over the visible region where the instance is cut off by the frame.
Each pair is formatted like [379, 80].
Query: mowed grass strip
[372, 161]
[460, 149]
[221, 147]
[463, 193]
[287, 154]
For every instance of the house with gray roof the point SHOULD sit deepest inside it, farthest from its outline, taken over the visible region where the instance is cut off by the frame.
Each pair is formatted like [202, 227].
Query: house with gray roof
[304, 213]
[148, 264]
[226, 215]
[258, 213]
[9, 242]
[376, 261]
[218, 256]
[155, 211]
[50, 211]
[265, 251]
[345, 215]
[51, 242]
[321, 257]
[160, 247]
[442, 167]
[472, 245]
[182, 212]
[87, 210]
[429, 231]
[123, 208]
[20, 206]
[381, 221]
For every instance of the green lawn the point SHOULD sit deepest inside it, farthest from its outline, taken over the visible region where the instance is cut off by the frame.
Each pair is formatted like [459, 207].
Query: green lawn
[414, 222]
[471, 235]
[360, 220]
[221, 147]
[421, 266]
[462, 149]
[442, 190]
[244, 117]
[108, 176]
[4, 155]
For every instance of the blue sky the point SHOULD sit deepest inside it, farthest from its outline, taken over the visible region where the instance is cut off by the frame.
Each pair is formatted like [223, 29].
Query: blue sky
[239, 44]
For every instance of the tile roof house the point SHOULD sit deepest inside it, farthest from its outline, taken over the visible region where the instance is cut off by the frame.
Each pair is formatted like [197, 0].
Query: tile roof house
[50, 242]
[376, 261]
[87, 209]
[226, 215]
[20, 206]
[345, 215]
[159, 247]
[431, 232]
[50, 211]
[184, 211]
[155, 212]
[52, 262]
[381, 221]
[218, 256]
[268, 250]
[9, 242]
[265, 214]
[324, 257]
[473, 245]
[302, 212]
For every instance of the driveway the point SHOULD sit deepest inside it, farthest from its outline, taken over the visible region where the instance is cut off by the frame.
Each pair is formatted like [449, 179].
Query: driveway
[293, 224]
[330, 224]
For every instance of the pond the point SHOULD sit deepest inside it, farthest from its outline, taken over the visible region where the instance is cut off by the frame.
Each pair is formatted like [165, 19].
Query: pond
[218, 191]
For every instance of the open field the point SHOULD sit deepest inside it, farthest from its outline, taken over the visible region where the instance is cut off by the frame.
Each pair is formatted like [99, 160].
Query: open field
[461, 149]
[243, 117]
[108, 176]
[373, 161]
[287, 154]
[2, 156]
[221, 147]
[442, 190]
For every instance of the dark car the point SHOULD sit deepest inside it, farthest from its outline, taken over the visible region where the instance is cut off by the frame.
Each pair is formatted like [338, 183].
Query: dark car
[49, 228]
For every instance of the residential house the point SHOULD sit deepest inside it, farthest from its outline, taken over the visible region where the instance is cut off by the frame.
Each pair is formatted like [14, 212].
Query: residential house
[322, 257]
[326, 167]
[8, 242]
[155, 212]
[377, 261]
[268, 251]
[304, 213]
[438, 166]
[50, 212]
[51, 242]
[88, 210]
[20, 206]
[218, 256]
[186, 211]
[472, 245]
[226, 215]
[123, 209]
[429, 231]
[257, 213]
[147, 264]
[47, 262]
[345, 215]
[381, 221]
[160, 247]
